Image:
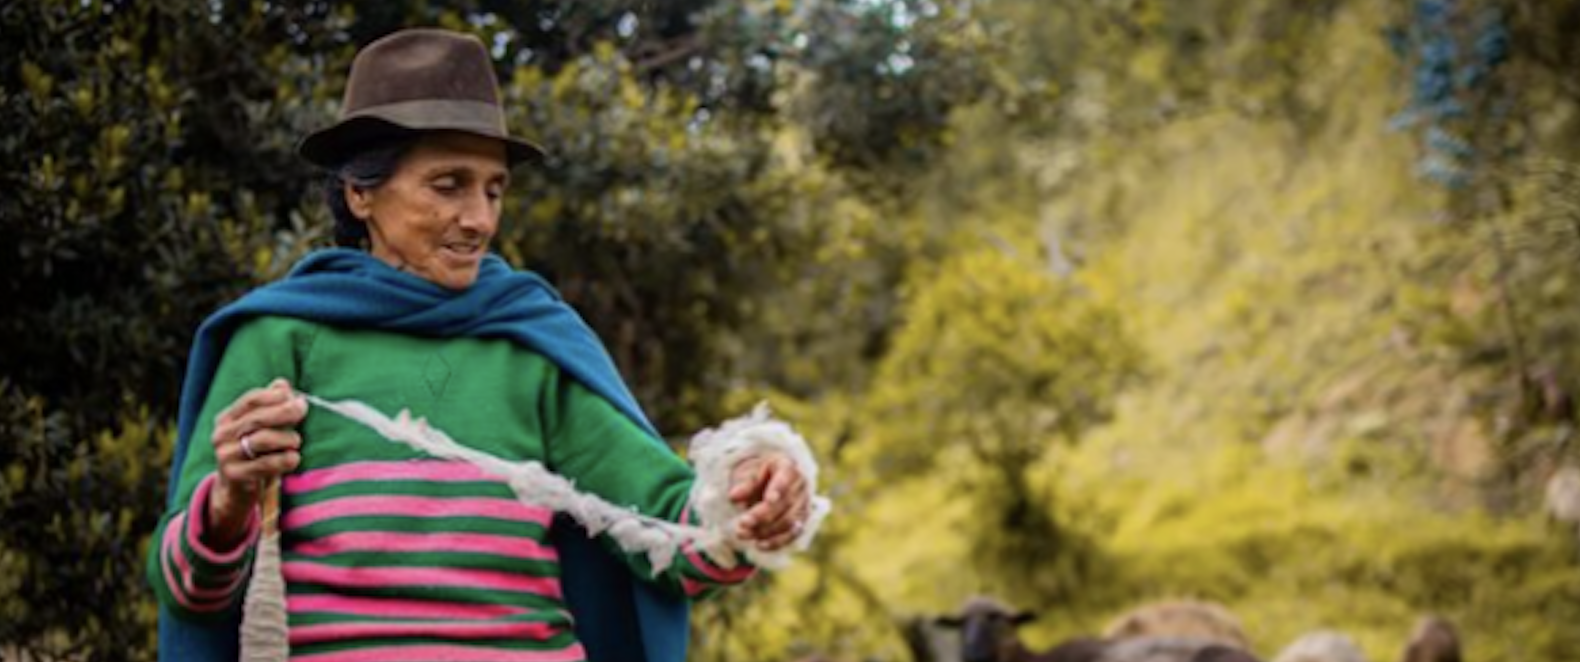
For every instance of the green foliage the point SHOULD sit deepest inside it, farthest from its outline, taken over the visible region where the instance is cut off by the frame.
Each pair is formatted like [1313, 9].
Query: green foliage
[1509, 266]
[76, 526]
[997, 360]
[131, 217]
[1289, 553]
[147, 183]
[999, 357]
[905, 64]
[659, 226]
[1317, 444]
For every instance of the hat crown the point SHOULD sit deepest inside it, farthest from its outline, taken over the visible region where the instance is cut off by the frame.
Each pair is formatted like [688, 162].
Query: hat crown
[416, 80]
[420, 65]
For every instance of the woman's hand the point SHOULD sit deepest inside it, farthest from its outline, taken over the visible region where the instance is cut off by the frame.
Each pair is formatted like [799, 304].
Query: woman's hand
[775, 497]
[254, 441]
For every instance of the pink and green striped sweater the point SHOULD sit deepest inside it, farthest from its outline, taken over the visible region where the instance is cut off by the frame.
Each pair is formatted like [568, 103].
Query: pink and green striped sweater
[391, 556]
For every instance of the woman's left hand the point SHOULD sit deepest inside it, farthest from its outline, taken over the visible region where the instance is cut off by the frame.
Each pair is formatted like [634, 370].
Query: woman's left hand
[775, 497]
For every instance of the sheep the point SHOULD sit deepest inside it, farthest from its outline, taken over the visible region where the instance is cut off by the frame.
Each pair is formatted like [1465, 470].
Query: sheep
[1220, 653]
[987, 629]
[1322, 646]
[928, 641]
[1563, 495]
[1079, 649]
[1172, 649]
[1185, 618]
[988, 633]
[1434, 640]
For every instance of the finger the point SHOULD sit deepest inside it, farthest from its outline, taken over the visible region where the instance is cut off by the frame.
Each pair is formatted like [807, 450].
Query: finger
[250, 472]
[273, 440]
[749, 525]
[281, 463]
[741, 489]
[261, 443]
[750, 488]
[803, 511]
[258, 397]
[283, 414]
[745, 490]
[785, 489]
[241, 416]
[785, 481]
[765, 527]
[778, 541]
[767, 517]
[774, 506]
[776, 528]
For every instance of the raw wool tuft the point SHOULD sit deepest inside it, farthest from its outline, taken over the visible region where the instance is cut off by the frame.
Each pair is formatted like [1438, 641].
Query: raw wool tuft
[715, 452]
[1322, 646]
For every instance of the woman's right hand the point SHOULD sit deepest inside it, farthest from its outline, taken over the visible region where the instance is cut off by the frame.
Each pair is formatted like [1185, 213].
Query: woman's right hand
[254, 441]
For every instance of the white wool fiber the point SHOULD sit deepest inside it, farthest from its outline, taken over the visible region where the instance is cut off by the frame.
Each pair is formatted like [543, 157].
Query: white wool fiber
[714, 453]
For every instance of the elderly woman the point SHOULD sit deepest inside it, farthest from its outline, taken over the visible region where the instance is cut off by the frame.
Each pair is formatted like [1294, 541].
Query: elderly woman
[389, 554]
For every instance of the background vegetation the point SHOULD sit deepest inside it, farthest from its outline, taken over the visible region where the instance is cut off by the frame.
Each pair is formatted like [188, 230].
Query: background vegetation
[1086, 304]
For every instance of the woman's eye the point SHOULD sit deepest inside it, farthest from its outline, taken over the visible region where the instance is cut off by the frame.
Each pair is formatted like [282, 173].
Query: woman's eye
[446, 185]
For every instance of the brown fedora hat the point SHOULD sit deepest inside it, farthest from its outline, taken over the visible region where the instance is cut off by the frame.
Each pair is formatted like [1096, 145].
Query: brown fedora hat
[417, 80]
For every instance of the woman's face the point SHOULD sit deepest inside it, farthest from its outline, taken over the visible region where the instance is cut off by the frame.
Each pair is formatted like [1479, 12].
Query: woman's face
[439, 210]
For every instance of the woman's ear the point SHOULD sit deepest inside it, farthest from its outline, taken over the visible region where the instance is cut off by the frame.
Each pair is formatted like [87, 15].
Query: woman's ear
[359, 200]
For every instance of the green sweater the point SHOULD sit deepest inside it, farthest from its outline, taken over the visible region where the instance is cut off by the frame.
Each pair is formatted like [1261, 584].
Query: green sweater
[392, 555]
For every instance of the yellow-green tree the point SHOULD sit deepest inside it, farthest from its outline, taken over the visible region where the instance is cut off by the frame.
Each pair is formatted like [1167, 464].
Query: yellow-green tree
[999, 361]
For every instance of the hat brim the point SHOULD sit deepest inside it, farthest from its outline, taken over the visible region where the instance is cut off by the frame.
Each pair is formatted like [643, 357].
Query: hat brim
[329, 147]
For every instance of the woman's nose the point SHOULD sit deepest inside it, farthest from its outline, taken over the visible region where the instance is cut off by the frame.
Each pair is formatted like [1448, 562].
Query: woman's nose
[479, 213]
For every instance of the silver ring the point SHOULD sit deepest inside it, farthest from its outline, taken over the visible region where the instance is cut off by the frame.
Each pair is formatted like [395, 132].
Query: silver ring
[246, 446]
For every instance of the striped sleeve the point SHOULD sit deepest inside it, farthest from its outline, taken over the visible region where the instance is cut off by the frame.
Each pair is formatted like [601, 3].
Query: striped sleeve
[700, 576]
[195, 576]
[194, 580]
[592, 443]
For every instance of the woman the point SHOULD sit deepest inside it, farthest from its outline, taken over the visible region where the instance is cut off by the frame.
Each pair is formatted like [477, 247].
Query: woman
[389, 555]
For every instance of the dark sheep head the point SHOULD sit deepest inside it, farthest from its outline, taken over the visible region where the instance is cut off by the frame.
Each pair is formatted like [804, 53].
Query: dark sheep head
[987, 629]
[1434, 640]
[1221, 653]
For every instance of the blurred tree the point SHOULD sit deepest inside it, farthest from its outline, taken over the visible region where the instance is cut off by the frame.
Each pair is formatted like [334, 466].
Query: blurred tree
[998, 361]
[149, 179]
[1507, 176]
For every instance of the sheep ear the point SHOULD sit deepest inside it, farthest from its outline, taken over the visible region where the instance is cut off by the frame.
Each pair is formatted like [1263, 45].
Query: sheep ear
[1023, 617]
[949, 621]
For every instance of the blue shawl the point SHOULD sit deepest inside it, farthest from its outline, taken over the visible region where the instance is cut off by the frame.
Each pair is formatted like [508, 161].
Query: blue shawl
[617, 619]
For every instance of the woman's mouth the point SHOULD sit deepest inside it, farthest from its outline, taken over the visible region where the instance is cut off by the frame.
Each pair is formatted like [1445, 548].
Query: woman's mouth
[463, 249]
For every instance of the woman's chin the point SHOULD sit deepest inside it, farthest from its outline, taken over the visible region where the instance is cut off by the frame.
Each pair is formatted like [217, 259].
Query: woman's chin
[458, 270]
[457, 279]
[450, 277]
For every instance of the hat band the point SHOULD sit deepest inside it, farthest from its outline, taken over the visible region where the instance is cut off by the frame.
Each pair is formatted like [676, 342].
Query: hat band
[461, 115]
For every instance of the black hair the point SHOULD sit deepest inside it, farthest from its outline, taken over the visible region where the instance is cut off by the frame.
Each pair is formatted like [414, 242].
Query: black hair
[368, 168]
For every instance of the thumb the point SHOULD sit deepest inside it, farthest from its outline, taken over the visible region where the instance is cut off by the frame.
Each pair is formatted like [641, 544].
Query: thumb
[749, 485]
